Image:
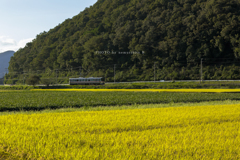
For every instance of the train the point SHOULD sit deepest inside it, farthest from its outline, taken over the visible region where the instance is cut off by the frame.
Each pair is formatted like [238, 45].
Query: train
[86, 81]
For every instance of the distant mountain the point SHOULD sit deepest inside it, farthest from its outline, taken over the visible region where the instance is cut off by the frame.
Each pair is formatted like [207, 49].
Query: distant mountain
[4, 62]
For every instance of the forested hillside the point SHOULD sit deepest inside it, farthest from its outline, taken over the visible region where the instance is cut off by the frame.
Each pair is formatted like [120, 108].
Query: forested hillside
[170, 36]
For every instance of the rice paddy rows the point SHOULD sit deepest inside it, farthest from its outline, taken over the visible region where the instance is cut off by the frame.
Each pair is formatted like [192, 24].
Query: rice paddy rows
[200, 132]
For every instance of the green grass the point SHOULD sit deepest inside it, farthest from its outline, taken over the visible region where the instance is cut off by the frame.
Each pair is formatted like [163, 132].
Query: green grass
[124, 107]
[19, 87]
[33, 100]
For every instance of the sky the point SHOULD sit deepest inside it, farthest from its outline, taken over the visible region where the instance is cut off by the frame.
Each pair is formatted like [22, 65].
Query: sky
[22, 20]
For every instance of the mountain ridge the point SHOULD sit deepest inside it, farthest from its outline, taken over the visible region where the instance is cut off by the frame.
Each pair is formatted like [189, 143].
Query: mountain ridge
[4, 61]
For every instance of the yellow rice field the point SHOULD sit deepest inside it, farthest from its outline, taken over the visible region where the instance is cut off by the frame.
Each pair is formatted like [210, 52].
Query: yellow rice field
[198, 132]
[145, 90]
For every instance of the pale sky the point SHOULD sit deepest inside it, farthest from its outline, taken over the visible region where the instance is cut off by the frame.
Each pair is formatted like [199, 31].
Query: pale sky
[22, 20]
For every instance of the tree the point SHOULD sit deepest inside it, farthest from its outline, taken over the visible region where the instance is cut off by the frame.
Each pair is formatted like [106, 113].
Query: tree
[47, 81]
[32, 80]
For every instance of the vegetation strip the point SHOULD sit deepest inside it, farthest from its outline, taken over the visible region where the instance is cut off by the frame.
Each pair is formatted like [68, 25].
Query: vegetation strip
[146, 90]
[40, 100]
[126, 107]
[201, 132]
[136, 85]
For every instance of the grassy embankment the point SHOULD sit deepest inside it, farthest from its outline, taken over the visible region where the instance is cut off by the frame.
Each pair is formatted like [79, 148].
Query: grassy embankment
[139, 85]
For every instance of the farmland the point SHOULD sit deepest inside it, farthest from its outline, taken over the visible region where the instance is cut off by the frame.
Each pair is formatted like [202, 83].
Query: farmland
[113, 124]
[35, 100]
[200, 132]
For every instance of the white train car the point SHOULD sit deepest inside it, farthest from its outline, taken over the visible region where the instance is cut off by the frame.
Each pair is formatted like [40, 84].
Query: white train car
[86, 81]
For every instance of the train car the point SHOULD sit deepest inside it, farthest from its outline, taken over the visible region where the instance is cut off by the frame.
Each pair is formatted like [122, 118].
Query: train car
[86, 81]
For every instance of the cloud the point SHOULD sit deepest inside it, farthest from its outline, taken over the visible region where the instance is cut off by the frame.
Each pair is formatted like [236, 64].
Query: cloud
[7, 43]
[22, 43]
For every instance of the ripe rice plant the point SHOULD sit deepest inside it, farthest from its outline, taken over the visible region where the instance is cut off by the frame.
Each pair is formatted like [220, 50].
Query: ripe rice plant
[201, 132]
[39, 100]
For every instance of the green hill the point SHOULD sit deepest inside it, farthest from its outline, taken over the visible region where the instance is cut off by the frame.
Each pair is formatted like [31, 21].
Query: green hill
[169, 35]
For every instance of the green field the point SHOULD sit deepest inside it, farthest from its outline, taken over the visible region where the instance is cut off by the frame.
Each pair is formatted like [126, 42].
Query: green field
[34, 100]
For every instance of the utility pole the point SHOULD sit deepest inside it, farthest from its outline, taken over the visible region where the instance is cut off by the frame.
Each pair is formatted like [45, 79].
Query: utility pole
[114, 72]
[23, 78]
[56, 75]
[201, 71]
[80, 68]
[3, 78]
[6, 70]
[154, 71]
[24, 73]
